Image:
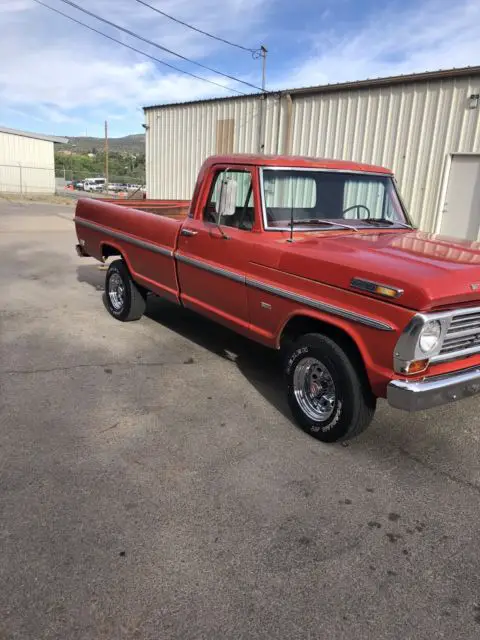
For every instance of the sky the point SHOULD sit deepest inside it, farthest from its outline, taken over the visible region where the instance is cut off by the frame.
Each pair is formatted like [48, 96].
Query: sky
[59, 78]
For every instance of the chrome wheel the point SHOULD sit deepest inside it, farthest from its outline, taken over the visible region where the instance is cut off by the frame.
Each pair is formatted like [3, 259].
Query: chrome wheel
[314, 389]
[116, 291]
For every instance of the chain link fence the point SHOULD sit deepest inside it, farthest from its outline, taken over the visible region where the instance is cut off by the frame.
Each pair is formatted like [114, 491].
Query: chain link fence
[24, 178]
[118, 184]
[21, 178]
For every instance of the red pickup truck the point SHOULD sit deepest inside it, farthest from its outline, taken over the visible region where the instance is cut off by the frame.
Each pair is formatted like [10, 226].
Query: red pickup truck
[316, 258]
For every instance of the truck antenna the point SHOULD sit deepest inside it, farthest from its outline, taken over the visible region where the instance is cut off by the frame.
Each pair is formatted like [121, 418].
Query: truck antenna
[291, 214]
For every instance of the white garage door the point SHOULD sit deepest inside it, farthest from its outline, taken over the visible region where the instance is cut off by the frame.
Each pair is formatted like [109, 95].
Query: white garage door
[461, 213]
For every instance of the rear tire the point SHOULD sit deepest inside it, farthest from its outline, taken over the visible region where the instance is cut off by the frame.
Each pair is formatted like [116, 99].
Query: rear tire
[124, 299]
[328, 391]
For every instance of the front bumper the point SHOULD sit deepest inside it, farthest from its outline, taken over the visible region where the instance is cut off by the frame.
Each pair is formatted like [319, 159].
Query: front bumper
[435, 391]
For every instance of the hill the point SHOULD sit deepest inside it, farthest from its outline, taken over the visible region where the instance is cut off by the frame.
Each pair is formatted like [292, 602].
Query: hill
[134, 143]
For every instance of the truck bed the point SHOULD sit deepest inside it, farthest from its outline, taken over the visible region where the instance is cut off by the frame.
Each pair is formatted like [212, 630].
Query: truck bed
[176, 209]
[143, 232]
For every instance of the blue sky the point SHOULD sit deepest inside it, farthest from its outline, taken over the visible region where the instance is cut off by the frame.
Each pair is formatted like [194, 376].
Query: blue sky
[57, 77]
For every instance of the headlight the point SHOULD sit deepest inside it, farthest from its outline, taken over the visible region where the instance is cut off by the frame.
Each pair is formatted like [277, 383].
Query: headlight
[429, 336]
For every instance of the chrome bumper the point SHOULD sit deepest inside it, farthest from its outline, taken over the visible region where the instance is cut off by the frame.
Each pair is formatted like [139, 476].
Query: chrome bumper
[432, 392]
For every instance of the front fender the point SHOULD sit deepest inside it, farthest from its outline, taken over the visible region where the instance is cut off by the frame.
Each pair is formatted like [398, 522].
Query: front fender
[374, 347]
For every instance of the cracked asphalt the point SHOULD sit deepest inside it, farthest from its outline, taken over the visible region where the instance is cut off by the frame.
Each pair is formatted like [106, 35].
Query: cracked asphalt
[152, 484]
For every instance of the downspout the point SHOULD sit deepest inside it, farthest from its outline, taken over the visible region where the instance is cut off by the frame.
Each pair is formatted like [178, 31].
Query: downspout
[261, 117]
[279, 124]
[287, 147]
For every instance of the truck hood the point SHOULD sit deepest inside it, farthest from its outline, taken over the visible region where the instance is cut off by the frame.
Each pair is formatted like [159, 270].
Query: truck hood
[433, 271]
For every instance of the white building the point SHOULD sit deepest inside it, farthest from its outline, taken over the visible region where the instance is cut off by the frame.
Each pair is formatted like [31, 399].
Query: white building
[425, 126]
[27, 161]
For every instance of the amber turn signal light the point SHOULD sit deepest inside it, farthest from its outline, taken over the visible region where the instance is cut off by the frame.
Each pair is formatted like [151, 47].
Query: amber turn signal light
[386, 291]
[374, 287]
[416, 366]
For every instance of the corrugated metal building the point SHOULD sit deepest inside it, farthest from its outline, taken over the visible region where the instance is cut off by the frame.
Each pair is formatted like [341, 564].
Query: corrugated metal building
[27, 161]
[426, 127]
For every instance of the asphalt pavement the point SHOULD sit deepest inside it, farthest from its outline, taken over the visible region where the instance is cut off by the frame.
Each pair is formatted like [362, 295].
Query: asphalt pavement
[153, 485]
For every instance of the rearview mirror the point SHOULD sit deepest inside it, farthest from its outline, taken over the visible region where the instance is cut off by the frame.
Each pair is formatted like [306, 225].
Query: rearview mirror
[226, 203]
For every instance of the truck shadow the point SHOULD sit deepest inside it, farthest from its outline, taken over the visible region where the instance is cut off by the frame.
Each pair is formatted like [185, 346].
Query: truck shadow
[393, 435]
[259, 365]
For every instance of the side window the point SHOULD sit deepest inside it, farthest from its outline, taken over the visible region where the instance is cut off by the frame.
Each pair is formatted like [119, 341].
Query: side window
[244, 215]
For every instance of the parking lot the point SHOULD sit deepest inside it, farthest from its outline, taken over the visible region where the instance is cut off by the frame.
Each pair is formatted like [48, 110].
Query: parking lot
[153, 484]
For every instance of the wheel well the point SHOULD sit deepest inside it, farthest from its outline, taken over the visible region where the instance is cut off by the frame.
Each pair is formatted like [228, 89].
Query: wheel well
[301, 325]
[108, 251]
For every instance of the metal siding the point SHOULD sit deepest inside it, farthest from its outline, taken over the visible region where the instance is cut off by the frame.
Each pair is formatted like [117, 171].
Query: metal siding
[26, 165]
[179, 138]
[410, 127]
[273, 125]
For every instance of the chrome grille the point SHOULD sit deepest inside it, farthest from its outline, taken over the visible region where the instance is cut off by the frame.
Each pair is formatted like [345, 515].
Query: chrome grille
[462, 337]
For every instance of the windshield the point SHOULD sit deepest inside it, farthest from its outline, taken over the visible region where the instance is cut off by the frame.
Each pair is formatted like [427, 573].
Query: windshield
[310, 196]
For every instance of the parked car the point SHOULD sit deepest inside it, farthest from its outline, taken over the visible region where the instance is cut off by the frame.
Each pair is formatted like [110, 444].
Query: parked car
[94, 184]
[78, 184]
[318, 259]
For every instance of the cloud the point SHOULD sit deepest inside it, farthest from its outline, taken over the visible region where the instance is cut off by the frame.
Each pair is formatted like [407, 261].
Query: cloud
[60, 74]
[15, 6]
[63, 73]
[429, 36]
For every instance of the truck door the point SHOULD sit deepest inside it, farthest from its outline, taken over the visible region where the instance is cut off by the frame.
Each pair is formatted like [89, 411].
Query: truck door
[212, 259]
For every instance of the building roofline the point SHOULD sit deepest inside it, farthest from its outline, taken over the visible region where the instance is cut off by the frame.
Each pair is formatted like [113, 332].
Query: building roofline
[441, 74]
[36, 136]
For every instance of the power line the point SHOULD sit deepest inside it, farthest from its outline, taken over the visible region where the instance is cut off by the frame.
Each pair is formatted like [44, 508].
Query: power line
[155, 44]
[166, 64]
[205, 33]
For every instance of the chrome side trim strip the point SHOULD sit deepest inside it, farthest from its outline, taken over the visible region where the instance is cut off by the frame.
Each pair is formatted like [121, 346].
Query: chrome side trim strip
[231, 275]
[310, 302]
[122, 236]
[200, 264]
[320, 306]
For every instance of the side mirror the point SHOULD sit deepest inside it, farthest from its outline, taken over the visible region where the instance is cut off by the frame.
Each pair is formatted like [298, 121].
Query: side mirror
[227, 200]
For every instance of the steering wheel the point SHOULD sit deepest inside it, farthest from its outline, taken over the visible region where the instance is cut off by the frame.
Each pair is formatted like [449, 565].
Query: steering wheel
[244, 210]
[357, 207]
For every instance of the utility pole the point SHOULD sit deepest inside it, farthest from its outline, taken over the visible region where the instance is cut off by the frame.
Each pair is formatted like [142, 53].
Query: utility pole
[261, 126]
[106, 155]
[263, 53]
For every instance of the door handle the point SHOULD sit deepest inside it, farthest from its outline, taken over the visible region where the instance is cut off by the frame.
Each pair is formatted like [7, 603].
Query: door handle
[188, 232]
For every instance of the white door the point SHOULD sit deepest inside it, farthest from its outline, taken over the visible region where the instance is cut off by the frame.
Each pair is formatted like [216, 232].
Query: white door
[461, 212]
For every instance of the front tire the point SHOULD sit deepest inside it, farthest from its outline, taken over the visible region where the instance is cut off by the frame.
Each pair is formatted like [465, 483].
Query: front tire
[124, 299]
[328, 392]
